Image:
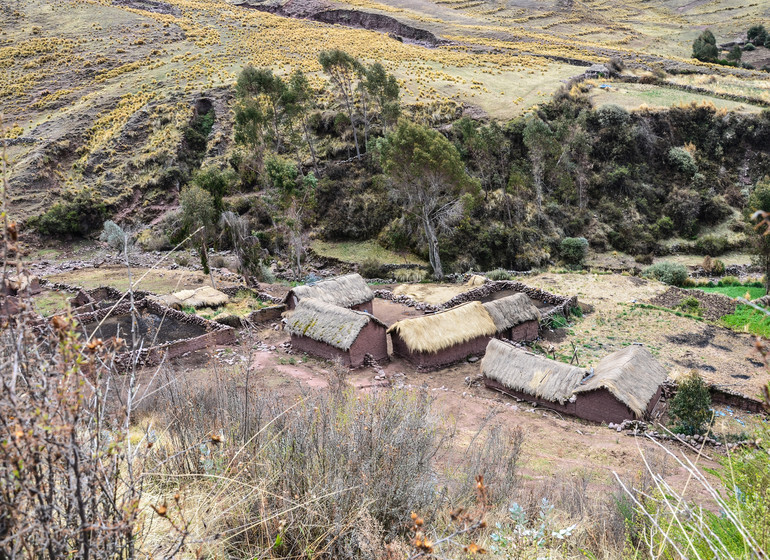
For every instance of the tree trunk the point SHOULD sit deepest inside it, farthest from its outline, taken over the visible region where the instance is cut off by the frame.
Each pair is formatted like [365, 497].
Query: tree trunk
[352, 124]
[309, 141]
[433, 254]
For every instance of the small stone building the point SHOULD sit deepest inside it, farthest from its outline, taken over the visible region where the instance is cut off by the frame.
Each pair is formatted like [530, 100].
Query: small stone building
[515, 317]
[350, 291]
[443, 338]
[625, 385]
[327, 331]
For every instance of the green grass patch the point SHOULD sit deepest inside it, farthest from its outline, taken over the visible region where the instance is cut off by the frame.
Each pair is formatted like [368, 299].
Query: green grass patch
[358, 251]
[734, 291]
[748, 319]
[49, 303]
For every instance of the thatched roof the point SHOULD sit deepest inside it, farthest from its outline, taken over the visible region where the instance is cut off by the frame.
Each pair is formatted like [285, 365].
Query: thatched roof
[632, 374]
[510, 311]
[324, 322]
[344, 291]
[433, 333]
[205, 296]
[529, 373]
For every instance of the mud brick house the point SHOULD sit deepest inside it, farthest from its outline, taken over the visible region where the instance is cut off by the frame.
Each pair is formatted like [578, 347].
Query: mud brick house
[328, 331]
[515, 317]
[443, 338]
[625, 385]
[350, 291]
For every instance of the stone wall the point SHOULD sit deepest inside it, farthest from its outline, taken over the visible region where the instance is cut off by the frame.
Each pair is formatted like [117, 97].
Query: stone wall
[561, 304]
[726, 397]
[266, 314]
[261, 296]
[217, 334]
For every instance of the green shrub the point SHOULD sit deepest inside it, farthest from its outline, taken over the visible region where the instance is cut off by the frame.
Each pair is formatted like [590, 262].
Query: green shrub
[84, 213]
[669, 273]
[574, 250]
[371, 268]
[498, 274]
[729, 281]
[749, 47]
[711, 245]
[690, 305]
[683, 161]
[665, 227]
[690, 409]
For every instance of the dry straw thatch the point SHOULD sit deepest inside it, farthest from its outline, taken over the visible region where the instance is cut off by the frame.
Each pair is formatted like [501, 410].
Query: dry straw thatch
[513, 310]
[205, 296]
[324, 322]
[344, 291]
[433, 333]
[632, 374]
[529, 373]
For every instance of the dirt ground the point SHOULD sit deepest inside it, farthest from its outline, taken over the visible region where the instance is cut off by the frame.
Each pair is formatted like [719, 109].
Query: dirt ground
[555, 446]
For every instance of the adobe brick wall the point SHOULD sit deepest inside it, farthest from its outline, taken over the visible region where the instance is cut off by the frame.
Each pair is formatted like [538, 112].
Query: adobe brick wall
[371, 340]
[524, 332]
[319, 349]
[428, 361]
[216, 334]
[266, 314]
[602, 406]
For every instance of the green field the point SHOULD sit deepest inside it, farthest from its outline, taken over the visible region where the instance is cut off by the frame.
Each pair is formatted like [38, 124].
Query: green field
[750, 320]
[736, 291]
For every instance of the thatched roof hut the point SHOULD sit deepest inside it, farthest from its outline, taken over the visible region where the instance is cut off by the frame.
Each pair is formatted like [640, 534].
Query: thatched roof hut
[512, 310]
[632, 375]
[350, 290]
[328, 323]
[524, 372]
[433, 333]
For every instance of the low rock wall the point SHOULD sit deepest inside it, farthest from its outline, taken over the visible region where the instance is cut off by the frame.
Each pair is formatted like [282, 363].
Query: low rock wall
[266, 314]
[217, 334]
[561, 304]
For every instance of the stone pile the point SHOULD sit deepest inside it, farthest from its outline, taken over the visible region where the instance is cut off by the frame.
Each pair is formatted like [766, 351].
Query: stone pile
[638, 427]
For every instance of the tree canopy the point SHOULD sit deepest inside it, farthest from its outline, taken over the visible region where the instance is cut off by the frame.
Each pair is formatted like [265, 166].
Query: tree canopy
[428, 176]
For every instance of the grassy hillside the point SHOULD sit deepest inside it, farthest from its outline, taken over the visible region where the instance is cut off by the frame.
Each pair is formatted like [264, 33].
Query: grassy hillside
[99, 91]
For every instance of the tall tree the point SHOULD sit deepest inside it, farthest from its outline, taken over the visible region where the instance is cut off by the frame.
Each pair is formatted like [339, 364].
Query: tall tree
[293, 199]
[428, 176]
[539, 140]
[384, 91]
[344, 71]
[198, 214]
[262, 87]
[250, 123]
[759, 205]
[300, 100]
